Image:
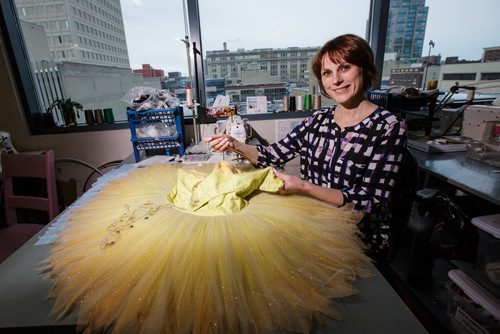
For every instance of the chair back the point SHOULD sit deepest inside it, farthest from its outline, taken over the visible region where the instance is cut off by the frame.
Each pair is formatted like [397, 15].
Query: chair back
[402, 197]
[29, 165]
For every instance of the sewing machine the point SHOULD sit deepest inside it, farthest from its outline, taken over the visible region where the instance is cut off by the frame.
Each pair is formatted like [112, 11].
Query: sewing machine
[480, 122]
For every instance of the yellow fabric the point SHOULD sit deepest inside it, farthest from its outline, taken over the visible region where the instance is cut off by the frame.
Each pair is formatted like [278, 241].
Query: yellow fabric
[273, 266]
[222, 191]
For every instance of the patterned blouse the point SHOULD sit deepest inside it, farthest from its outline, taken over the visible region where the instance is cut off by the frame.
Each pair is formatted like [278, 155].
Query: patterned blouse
[361, 160]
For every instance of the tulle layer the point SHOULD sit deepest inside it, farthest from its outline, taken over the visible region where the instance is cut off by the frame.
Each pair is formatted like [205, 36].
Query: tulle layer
[130, 263]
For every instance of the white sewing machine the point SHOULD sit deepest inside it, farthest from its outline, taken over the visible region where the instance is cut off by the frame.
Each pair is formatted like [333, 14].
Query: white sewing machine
[479, 123]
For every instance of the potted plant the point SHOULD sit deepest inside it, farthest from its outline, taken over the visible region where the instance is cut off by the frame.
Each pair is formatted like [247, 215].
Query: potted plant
[69, 109]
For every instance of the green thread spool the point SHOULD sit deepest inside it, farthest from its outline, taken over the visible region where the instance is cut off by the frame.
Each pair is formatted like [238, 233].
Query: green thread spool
[307, 102]
[109, 117]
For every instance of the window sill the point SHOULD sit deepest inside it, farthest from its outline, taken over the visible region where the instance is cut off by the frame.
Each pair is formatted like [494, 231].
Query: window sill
[80, 128]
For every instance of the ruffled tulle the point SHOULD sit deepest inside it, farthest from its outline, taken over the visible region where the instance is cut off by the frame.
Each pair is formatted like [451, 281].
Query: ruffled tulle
[130, 262]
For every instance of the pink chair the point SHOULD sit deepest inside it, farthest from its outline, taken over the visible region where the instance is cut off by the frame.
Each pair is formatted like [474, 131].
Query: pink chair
[25, 165]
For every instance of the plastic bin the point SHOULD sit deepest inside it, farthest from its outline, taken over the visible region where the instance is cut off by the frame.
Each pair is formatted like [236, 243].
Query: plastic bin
[380, 98]
[488, 254]
[470, 308]
[160, 129]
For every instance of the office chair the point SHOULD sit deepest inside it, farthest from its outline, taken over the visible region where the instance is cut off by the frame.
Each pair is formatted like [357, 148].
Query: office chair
[402, 198]
[394, 214]
[21, 167]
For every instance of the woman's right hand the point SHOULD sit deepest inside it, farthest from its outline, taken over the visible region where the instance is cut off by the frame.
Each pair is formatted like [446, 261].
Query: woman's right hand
[220, 142]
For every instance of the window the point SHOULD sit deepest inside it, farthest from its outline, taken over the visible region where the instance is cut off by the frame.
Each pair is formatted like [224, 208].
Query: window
[490, 76]
[86, 51]
[283, 50]
[459, 76]
[109, 39]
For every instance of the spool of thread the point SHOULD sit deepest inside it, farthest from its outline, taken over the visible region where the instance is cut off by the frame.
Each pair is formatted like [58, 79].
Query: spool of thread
[316, 102]
[307, 102]
[98, 116]
[286, 101]
[89, 117]
[189, 97]
[109, 117]
[300, 102]
[432, 84]
[292, 105]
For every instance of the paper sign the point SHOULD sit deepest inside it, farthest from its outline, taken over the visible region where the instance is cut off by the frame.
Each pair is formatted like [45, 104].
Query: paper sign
[256, 104]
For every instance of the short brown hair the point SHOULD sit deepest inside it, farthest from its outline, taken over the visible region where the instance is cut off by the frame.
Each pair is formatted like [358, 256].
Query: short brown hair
[347, 48]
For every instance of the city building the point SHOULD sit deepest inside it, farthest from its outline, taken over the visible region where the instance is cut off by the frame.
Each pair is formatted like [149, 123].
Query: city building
[272, 91]
[75, 42]
[149, 72]
[406, 29]
[484, 74]
[177, 84]
[407, 76]
[491, 54]
[269, 65]
[82, 31]
[214, 87]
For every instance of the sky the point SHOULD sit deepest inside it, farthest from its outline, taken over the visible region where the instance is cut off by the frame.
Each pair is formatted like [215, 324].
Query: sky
[154, 28]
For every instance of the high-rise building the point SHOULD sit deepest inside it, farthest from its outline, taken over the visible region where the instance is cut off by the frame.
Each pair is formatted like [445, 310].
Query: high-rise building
[406, 29]
[83, 31]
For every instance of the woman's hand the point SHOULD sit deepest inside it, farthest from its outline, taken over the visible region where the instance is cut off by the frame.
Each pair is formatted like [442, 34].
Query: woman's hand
[292, 184]
[220, 142]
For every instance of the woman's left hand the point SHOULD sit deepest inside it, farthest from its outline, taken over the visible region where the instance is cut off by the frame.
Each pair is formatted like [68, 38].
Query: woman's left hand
[292, 184]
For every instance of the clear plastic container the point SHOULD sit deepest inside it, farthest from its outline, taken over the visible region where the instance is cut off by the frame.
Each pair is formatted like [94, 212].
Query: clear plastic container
[488, 254]
[471, 309]
[478, 151]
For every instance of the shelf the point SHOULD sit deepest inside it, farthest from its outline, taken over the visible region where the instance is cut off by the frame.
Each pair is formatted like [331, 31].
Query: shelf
[159, 129]
[422, 281]
[472, 272]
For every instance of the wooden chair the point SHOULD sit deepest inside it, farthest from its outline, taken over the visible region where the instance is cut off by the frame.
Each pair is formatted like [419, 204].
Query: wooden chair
[26, 166]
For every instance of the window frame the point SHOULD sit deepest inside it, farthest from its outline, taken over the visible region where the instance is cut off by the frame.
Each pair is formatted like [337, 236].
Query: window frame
[18, 58]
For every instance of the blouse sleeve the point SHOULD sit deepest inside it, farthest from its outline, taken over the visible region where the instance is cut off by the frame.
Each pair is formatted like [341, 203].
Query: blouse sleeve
[380, 175]
[284, 150]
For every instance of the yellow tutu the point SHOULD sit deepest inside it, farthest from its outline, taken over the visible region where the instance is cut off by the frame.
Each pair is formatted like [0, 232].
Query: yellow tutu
[130, 261]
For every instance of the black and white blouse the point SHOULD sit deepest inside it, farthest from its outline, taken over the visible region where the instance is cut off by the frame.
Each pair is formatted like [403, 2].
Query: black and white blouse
[361, 160]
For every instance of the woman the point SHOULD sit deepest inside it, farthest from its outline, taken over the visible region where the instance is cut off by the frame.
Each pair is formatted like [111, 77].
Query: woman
[349, 153]
[194, 249]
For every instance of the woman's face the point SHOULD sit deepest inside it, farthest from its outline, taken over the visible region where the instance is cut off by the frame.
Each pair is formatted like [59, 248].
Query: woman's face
[343, 82]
